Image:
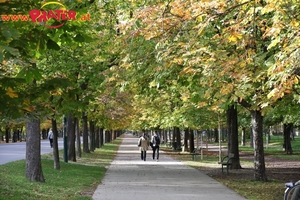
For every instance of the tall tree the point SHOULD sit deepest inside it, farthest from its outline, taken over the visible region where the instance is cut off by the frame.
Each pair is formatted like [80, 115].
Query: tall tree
[33, 148]
[55, 144]
[233, 140]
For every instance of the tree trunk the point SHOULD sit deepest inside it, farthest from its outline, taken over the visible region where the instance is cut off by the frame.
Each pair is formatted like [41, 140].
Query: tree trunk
[165, 136]
[7, 130]
[15, 135]
[55, 145]
[186, 136]
[85, 134]
[44, 133]
[113, 135]
[216, 134]
[233, 140]
[251, 137]
[191, 139]
[259, 159]
[78, 137]
[71, 138]
[287, 128]
[178, 138]
[33, 151]
[92, 136]
[101, 140]
[105, 136]
[97, 139]
[175, 143]
[243, 140]
[174, 135]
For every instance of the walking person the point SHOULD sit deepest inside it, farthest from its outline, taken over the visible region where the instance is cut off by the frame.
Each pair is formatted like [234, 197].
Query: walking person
[155, 140]
[143, 144]
[50, 137]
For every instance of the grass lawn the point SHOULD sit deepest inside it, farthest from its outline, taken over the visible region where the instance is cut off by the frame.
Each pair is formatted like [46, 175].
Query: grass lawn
[74, 180]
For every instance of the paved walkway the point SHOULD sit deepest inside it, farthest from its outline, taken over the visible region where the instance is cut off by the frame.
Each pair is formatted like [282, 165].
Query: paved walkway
[128, 178]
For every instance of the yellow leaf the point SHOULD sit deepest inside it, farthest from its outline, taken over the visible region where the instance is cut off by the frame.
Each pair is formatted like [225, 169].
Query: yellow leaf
[152, 84]
[26, 102]
[294, 23]
[29, 109]
[232, 38]
[111, 79]
[11, 93]
[201, 104]
[272, 93]
[296, 81]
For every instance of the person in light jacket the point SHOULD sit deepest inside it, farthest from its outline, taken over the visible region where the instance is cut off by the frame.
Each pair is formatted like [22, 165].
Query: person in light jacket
[143, 144]
[50, 137]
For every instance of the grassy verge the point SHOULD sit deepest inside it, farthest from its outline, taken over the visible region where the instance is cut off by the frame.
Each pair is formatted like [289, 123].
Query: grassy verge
[74, 180]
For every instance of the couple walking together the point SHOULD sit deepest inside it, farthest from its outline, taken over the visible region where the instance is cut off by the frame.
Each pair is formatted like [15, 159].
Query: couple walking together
[143, 143]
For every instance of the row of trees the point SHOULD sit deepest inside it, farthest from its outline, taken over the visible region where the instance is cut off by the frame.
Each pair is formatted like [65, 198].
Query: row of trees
[156, 64]
[47, 73]
[192, 61]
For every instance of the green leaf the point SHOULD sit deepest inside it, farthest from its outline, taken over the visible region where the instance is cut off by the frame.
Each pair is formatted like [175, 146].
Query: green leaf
[79, 38]
[52, 45]
[36, 74]
[11, 50]
[1, 56]
[10, 33]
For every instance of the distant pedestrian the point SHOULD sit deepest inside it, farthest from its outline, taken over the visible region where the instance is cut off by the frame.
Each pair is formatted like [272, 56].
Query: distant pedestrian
[155, 141]
[50, 137]
[143, 145]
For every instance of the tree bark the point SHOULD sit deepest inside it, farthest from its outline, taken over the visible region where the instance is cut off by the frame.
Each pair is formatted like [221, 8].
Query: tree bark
[7, 134]
[216, 134]
[101, 137]
[44, 133]
[243, 140]
[78, 137]
[85, 133]
[33, 151]
[186, 136]
[233, 140]
[71, 138]
[173, 136]
[178, 138]
[55, 145]
[92, 136]
[191, 138]
[165, 133]
[287, 128]
[251, 137]
[259, 159]
[97, 139]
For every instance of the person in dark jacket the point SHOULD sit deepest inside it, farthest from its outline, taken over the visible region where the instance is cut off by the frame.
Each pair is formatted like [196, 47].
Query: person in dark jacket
[155, 142]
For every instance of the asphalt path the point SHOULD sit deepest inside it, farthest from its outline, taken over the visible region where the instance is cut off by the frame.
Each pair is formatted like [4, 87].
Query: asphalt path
[17, 151]
[129, 177]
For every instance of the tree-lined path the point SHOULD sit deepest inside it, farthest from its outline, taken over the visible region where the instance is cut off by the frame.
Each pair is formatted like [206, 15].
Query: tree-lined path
[129, 177]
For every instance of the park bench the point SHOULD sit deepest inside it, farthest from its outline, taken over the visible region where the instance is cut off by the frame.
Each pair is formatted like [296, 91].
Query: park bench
[226, 161]
[195, 153]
